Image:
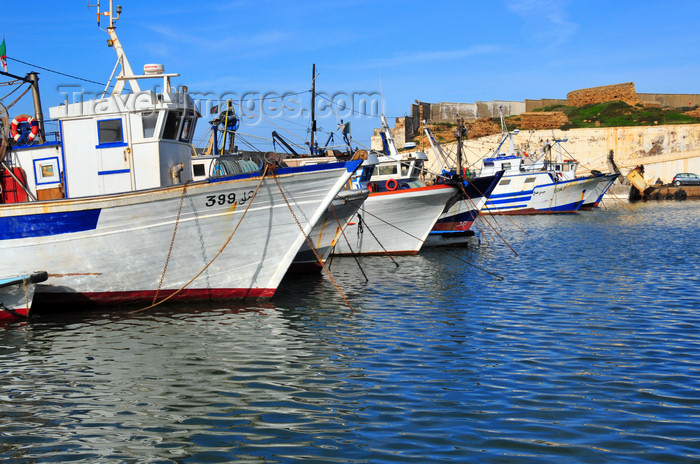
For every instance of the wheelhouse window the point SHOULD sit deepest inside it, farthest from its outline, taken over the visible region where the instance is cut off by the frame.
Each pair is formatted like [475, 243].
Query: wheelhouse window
[109, 132]
[172, 122]
[179, 126]
[149, 121]
[186, 131]
[387, 170]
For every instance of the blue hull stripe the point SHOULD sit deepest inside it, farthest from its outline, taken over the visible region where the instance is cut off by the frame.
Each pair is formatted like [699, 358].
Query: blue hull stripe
[44, 225]
[507, 200]
[512, 194]
[465, 216]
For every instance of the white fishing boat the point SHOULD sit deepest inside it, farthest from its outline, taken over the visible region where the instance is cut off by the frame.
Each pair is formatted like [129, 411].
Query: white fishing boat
[453, 227]
[595, 195]
[535, 184]
[327, 232]
[17, 294]
[112, 214]
[401, 208]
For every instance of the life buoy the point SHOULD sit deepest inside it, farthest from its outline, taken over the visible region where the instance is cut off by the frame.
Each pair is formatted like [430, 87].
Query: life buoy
[20, 119]
[372, 187]
[391, 184]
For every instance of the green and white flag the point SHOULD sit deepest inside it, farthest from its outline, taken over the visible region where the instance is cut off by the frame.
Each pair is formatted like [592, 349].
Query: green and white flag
[3, 55]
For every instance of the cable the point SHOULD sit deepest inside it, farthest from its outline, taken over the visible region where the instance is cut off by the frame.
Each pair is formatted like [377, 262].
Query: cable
[56, 72]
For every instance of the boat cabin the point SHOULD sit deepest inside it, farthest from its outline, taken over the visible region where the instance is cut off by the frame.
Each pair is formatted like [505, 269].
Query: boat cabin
[116, 144]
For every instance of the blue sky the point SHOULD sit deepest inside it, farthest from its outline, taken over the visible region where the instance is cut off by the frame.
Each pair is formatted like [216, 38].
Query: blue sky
[460, 51]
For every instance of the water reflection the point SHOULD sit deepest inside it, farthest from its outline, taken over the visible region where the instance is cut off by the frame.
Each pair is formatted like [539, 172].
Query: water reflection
[586, 351]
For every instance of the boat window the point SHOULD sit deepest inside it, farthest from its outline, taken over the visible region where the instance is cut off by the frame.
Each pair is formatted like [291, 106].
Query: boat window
[186, 133]
[387, 170]
[110, 131]
[148, 121]
[172, 121]
[504, 182]
[198, 170]
[505, 166]
[404, 169]
[529, 180]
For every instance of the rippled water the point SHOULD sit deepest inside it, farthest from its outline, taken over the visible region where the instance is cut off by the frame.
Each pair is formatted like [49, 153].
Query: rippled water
[587, 351]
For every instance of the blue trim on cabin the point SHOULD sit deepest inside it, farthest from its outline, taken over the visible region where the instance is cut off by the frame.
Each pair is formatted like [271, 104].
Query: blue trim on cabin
[115, 171]
[48, 224]
[120, 143]
[23, 146]
[112, 145]
[500, 158]
[63, 158]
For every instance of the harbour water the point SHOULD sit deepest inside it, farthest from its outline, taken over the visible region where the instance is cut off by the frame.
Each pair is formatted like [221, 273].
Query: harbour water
[587, 351]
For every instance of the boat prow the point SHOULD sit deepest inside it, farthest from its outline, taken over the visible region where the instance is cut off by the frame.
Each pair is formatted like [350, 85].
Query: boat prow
[17, 294]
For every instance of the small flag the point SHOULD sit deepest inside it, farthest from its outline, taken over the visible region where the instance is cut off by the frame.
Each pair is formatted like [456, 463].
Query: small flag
[3, 55]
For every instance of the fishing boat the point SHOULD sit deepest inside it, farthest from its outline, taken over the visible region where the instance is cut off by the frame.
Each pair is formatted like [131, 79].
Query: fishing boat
[110, 210]
[401, 208]
[595, 195]
[220, 159]
[17, 294]
[453, 227]
[534, 184]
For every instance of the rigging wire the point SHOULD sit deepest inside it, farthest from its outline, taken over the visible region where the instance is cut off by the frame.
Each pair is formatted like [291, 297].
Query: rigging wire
[56, 72]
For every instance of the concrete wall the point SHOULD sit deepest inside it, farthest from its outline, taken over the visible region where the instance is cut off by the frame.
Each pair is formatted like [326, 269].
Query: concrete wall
[676, 100]
[531, 105]
[663, 150]
[451, 111]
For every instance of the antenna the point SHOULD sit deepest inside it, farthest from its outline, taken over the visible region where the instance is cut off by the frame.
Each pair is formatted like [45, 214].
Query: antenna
[109, 13]
[381, 94]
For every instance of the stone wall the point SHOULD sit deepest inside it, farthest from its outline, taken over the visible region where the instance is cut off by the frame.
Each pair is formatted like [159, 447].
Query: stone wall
[543, 120]
[622, 92]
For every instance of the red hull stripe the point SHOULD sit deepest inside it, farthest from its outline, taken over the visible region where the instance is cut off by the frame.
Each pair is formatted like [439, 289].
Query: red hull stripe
[146, 296]
[17, 314]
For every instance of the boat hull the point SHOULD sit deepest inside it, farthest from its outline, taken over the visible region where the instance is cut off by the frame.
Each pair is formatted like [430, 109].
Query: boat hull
[537, 193]
[327, 232]
[595, 195]
[17, 294]
[461, 212]
[120, 248]
[395, 222]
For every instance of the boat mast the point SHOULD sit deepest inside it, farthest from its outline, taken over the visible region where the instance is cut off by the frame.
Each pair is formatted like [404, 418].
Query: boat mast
[460, 133]
[313, 109]
[126, 73]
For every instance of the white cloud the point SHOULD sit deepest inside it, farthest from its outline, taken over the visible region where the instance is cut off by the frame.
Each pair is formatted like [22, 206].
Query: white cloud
[545, 20]
[428, 56]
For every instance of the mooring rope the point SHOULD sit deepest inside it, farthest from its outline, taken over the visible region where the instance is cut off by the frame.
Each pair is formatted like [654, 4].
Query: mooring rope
[347, 242]
[311, 245]
[223, 247]
[172, 241]
[461, 186]
[423, 241]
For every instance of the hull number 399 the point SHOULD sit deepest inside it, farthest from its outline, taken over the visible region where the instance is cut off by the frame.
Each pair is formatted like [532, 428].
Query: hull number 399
[228, 198]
